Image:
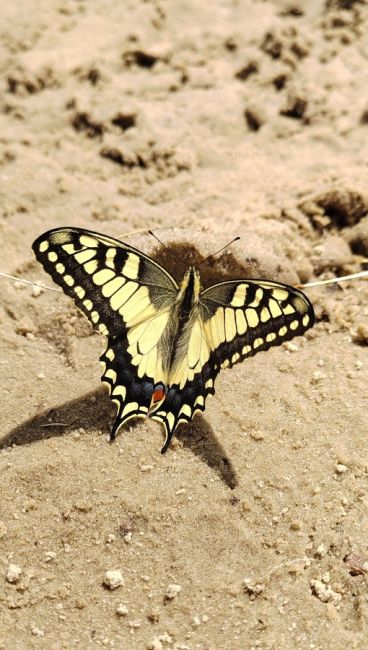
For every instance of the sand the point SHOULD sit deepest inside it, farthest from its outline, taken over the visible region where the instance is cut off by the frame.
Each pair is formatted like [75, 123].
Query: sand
[201, 121]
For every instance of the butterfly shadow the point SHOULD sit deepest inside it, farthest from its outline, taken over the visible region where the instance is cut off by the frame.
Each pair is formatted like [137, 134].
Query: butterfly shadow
[199, 437]
[93, 410]
[96, 411]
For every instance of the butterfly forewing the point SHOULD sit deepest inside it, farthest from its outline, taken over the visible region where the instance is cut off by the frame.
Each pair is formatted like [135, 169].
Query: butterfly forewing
[242, 318]
[115, 285]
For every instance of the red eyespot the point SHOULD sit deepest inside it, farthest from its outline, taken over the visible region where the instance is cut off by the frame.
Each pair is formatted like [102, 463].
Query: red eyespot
[158, 394]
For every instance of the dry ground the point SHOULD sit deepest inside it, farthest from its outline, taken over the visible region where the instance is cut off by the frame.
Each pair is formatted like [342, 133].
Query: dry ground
[201, 121]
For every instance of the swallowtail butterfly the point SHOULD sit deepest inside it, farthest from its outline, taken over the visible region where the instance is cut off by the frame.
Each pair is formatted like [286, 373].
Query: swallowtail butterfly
[166, 343]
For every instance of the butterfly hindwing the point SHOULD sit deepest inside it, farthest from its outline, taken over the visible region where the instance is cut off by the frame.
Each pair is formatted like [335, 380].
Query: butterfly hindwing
[242, 318]
[186, 397]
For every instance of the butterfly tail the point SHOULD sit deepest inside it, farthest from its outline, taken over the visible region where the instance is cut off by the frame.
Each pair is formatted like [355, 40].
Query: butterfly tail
[169, 435]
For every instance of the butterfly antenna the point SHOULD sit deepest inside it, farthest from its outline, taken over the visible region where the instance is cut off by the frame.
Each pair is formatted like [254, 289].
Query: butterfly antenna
[163, 244]
[219, 251]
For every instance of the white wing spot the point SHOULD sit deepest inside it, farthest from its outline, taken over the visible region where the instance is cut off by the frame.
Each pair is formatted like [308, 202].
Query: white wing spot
[275, 309]
[294, 325]
[69, 280]
[80, 292]
[289, 309]
[186, 410]
[239, 296]
[91, 267]
[69, 248]
[103, 329]
[103, 276]
[52, 256]
[131, 406]
[112, 287]
[199, 400]
[280, 294]
[230, 327]
[257, 298]
[84, 256]
[44, 245]
[252, 317]
[131, 267]
[110, 374]
[120, 391]
[88, 241]
[265, 315]
[110, 354]
[241, 323]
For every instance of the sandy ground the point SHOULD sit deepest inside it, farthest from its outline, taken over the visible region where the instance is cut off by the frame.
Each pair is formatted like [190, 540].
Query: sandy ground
[201, 121]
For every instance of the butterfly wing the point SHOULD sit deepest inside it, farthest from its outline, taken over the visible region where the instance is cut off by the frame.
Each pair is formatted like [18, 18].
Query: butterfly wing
[235, 320]
[127, 297]
[242, 318]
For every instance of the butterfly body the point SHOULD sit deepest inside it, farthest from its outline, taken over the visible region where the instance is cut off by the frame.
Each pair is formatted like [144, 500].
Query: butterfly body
[166, 343]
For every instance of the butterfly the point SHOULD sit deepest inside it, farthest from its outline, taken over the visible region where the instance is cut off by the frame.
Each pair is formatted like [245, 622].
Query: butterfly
[166, 343]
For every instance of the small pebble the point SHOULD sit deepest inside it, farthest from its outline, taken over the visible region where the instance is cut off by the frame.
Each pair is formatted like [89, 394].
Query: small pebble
[321, 551]
[80, 603]
[257, 435]
[340, 468]
[290, 347]
[155, 644]
[296, 525]
[146, 468]
[172, 591]
[82, 506]
[154, 616]
[13, 573]
[122, 610]
[37, 632]
[324, 593]
[113, 579]
[36, 291]
[317, 376]
[50, 555]
[134, 625]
